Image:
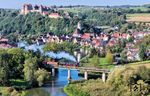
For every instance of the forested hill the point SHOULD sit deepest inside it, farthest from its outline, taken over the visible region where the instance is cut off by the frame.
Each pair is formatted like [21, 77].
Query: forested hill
[33, 23]
[11, 21]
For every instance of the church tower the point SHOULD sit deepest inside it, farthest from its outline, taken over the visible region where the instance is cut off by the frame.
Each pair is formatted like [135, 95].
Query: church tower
[79, 25]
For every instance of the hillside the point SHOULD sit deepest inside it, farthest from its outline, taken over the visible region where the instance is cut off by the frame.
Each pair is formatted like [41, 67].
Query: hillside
[121, 82]
[33, 23]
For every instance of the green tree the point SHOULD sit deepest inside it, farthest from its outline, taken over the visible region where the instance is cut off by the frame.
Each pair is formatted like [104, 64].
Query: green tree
[96, 60]
[93, 52]
[17, 61]
[41, 76]
[50, 47]
[5, 63]
[123, 56]
[3, 76]
[142, 51]
[109, 57]
[30, 68]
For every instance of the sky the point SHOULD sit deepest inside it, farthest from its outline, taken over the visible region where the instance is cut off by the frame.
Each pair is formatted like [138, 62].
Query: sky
[16, 4]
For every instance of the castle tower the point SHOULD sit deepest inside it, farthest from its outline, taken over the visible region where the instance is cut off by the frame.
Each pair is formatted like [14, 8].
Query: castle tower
[29, 8]
[26, 11]
[26, 8]
[41, 9]
[23, 9]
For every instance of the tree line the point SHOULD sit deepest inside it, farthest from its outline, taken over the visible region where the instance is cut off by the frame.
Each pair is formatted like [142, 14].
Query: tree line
[16, 64]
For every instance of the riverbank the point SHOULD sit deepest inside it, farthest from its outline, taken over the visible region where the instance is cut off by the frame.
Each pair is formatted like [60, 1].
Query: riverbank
[117, 83]
[67, 91]
[82, 88]
[16, 88]
[9, 91]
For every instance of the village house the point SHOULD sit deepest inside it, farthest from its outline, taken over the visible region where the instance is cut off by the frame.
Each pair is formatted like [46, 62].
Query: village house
[4, 43]
[133, 54]
[55, 15]
[116, 35]
[112, 42]
[76, 33]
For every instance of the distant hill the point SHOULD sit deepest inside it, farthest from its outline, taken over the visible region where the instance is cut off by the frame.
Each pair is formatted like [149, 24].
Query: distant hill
[146, 5]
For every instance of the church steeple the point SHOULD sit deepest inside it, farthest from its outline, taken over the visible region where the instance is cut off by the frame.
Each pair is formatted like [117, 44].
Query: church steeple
[79, 25]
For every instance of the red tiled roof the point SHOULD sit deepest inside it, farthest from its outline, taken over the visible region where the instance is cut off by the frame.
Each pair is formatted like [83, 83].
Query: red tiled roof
[124, 35]
[54, 14]
[3, 40]
[86, 36]
[5, 46]
[46, 13]
[111, 43]
[50, 62]
[116, 35]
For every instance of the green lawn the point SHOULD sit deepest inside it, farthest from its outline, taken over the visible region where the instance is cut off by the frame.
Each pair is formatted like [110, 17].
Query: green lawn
[102, 63]
[19, 84]
[137, 64]
[76, 10]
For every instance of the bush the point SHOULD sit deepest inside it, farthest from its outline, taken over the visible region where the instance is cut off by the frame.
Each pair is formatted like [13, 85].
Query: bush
[109, 57]
[41, 76]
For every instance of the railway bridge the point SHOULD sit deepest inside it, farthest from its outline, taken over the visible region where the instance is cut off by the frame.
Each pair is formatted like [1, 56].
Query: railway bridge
[55, 65]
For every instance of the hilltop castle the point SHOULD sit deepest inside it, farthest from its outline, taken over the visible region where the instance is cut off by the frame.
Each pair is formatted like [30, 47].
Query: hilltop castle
[43, 10]
[29, 8]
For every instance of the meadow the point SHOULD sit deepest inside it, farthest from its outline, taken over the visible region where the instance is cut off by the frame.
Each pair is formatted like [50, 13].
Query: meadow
[139, 17]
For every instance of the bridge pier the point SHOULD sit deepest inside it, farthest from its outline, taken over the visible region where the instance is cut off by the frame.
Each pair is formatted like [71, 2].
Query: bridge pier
[86, 75]
[69, 74]
[104, 77]
[53, 71]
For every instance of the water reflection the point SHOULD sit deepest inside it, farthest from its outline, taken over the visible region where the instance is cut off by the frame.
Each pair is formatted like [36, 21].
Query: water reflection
[37, 92]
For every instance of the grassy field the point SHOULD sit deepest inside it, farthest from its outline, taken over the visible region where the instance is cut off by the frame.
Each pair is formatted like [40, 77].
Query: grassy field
[76, 10]
[137, 64]
[119, 76]
[102, 63]
[143, 17]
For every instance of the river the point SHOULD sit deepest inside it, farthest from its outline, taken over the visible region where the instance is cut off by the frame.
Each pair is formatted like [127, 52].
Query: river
[55, 86]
